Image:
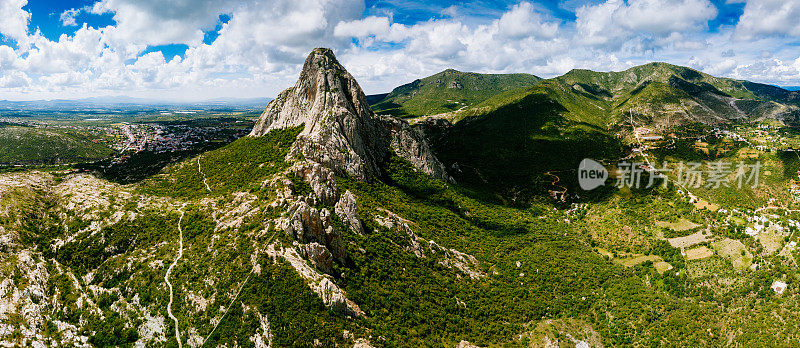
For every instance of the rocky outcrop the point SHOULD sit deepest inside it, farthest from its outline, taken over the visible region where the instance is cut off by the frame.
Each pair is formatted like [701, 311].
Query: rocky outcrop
[394, 222]
[321, 180]
[318, 255]
[330, 294]
[26, 296]
[340, 131]
[7, 240]
[421, 248]
[347, 210]
[340, 137]
[308, 224]
[262, 339]
[409, 143]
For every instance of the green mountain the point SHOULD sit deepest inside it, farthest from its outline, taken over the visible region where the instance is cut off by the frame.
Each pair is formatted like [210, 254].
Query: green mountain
[656, 95]
[664, 95]
[447, 91]
[512, 144]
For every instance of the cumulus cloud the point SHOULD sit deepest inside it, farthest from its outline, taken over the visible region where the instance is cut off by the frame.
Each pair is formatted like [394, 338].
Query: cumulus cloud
[361, 28]
[522, 34]
[156, 22]
[774, 69]
[264, 39]
[614, 22]
[523, 21]
[14, 21]
[769, 17]
[260, 50]
[15, 79]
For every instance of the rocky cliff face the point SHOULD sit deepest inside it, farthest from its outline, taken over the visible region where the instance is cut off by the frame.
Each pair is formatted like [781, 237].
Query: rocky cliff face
[340, 131]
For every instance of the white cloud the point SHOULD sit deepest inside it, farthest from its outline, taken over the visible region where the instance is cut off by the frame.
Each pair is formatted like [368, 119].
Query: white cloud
[15, 79]
[261, 49]
[663, 17]
[523, 21]
[769, 17]
[67, 17]
[770, 69]
[614, 22]
[14, 20]
[266, 40]
[520, 35]
[156, 22]
[370, 26]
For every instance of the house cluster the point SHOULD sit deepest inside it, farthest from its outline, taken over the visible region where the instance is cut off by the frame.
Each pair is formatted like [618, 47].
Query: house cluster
[578, 208]
[794, 190]
[778, 286]
[646, 134]
[169, 138]
[760, 223]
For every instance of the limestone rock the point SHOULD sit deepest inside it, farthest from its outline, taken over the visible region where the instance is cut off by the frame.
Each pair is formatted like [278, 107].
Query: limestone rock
[7, 240]
[321, 180]
[450, 258]
[347, 210]
[318, 255]
[409, 143]
[330, 294]
[395, 222]
[340, 131]
[308, 224]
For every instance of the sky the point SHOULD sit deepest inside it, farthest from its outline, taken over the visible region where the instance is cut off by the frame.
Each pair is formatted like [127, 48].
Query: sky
[204, 49]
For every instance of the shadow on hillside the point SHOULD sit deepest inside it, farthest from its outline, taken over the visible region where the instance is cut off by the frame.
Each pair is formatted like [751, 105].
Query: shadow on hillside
[135, 167]
[520, 152]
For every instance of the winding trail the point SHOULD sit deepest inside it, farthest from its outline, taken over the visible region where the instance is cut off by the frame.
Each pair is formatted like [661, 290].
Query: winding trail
[205, 179]
[169, 271]
[560, 194]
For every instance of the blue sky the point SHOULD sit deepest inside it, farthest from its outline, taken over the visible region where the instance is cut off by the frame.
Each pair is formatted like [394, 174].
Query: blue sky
[197, 49]
[45, 16]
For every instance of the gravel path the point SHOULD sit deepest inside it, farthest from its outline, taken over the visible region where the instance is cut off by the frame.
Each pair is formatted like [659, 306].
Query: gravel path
[169, 271]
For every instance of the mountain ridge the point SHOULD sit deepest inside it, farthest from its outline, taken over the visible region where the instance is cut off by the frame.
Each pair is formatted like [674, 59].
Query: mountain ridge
[447, 91]
[659, 95]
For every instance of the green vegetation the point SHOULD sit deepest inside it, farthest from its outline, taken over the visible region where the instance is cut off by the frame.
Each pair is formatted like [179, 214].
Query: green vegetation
[239, 166]
[143, 164]
[520, 149]
[656, 95]
[448, 91]
[29, 145]
[620, 267]
[559, 275]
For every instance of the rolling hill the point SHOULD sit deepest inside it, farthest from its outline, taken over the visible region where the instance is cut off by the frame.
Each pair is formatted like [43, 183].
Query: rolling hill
[447, 91]
[20, 144]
